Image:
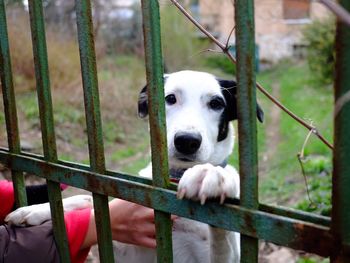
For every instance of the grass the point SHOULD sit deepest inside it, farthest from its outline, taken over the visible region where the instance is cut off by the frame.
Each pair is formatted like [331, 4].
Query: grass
[283, 183]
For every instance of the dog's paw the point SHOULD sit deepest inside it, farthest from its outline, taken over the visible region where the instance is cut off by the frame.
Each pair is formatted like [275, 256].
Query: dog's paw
[205, 181]
[37, 214]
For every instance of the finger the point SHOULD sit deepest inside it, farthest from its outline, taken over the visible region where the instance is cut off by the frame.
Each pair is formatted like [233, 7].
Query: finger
[149, 242]
[148, 213]
[173, 217]
[148, 229]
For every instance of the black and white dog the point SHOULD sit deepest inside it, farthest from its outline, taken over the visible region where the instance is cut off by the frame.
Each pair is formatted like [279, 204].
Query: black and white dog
[199, 109]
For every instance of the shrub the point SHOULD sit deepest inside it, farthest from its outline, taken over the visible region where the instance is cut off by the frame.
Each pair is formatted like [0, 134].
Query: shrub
[221, 62]
[181, 44]
[319, 38]
[63, 54]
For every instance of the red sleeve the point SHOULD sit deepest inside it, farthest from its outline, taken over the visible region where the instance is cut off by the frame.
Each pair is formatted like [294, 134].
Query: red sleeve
[77, 223]
[7, 199]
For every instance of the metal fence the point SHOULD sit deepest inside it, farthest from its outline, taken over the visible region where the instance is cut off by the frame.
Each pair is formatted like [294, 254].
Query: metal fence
[329, 237]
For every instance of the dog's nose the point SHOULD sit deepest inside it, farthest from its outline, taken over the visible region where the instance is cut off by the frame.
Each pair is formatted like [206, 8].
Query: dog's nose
[187, 143]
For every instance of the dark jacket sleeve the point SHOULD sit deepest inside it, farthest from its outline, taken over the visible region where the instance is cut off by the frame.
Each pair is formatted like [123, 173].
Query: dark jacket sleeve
[34, 244]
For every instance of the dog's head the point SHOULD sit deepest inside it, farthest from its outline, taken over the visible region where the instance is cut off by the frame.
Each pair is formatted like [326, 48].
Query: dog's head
[199, 108]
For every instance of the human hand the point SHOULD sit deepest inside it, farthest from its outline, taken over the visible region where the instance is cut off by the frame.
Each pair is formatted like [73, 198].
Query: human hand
[132, 223]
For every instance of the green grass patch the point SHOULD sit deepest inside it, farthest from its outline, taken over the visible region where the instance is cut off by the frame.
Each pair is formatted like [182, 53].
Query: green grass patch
[134, 167]
[284, 182]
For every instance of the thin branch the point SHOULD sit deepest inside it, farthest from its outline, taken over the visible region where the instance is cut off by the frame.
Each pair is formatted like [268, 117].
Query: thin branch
[229, 36]
[206, 50]
[198, 25]
[273, 99]
[301, 154]
[338, 10]
[311, 202]
[301, 160]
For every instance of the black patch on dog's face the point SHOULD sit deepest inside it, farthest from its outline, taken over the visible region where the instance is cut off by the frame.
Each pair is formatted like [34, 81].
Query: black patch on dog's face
[143, 103]
[229, 90]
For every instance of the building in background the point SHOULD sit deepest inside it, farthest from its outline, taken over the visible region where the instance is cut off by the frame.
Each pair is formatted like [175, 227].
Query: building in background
[278, 23]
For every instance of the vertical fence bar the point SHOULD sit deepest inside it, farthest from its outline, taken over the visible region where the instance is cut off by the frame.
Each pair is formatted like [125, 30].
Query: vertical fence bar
[341, 155]
[154, 71]
[93, 122]
[47, 122]
[10, 106]
[245, 41]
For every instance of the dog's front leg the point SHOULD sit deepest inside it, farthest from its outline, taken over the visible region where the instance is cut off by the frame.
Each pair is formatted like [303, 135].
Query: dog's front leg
[224, 246]
[207, 181]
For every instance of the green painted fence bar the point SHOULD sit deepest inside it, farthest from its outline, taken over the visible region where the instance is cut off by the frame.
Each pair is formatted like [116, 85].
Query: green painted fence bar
[246, 106]
[341, 171]
[275, 210]
[10, 106]
[154, 73]
[47, 122]
[93, 123]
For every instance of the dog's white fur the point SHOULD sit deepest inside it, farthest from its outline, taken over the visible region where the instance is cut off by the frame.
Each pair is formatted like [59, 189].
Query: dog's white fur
[204, 178]
[37, 214]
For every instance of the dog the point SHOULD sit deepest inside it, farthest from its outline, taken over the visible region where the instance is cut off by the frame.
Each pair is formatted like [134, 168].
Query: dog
[200, 109]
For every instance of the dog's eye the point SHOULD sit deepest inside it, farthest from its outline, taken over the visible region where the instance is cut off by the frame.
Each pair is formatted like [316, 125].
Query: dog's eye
[170, 99]
[217, 104]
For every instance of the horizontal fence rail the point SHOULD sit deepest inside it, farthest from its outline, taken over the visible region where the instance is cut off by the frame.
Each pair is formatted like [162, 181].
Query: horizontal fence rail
[276, 228]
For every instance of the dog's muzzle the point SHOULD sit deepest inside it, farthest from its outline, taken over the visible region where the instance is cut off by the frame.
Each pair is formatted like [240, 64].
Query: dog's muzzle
[187, 143]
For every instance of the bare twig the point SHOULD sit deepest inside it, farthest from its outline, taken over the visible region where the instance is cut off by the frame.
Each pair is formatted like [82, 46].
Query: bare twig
[338, 10]
[301, 160]
[312, 203]
[301, 154]
[273, 99]
[207, 50]
[229, 37]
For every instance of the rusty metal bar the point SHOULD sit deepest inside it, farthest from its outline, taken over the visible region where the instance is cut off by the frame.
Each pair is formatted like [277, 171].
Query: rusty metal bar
[47, 122]
[276, 210]
[154, 73]
[341, 172]
[281, 230]
[247, 131]
[93, 123]
[10, 106]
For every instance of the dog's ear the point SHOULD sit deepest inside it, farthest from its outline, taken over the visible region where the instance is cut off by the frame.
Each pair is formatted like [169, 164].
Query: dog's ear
[259, 113]
[143, 100]
[143, 103]
[229, 90]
